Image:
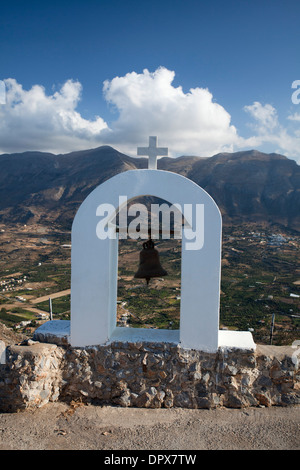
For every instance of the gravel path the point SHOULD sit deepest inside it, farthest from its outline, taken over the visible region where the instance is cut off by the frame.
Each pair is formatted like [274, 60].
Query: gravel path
[63, 427]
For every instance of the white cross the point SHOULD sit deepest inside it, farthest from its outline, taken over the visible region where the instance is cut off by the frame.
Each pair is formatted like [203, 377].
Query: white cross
[152, 152]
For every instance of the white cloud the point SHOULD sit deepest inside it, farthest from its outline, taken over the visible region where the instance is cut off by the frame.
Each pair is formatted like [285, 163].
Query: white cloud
[265, 115]
[294, 117]
[147, 103]
[269, 130]
[2, 92]
[31, 120]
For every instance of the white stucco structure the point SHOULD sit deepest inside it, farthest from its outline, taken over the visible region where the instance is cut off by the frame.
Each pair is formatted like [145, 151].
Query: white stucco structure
[95, 263]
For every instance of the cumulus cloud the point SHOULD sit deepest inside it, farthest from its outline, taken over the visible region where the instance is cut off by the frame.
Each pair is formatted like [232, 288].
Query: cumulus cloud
[146, 103]
[2, 92]
[149, 104]
[265, 115]
[31, 120]
[294, 117]
[268, 130]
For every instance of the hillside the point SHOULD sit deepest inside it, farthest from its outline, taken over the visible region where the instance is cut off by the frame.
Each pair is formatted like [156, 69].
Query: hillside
[38, 187]
[252, 186]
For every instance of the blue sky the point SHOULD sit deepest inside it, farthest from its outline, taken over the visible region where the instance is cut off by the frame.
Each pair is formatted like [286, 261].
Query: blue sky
[240, 58]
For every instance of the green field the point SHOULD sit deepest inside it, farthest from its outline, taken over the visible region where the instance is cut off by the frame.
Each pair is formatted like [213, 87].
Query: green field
[257, 279]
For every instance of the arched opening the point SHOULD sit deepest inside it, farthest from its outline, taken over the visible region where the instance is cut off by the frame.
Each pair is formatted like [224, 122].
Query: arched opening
[95, 259]
[156, 305]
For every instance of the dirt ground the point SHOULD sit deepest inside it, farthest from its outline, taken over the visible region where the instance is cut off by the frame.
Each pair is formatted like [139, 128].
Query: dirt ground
[58, 426]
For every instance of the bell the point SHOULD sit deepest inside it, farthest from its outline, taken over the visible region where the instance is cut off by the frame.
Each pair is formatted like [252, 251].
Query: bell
[149, 263]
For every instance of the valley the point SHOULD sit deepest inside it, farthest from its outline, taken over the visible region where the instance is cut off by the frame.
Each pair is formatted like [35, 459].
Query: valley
[260, 277]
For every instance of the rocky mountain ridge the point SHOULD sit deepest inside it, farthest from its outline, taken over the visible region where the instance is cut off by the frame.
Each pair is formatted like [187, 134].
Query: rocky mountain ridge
[250, 186]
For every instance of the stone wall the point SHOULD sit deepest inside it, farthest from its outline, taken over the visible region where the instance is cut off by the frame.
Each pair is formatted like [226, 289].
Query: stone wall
[148, 375]
[31, 376]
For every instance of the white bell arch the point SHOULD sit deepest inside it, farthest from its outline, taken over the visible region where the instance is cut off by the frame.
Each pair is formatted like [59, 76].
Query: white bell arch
[95, 262]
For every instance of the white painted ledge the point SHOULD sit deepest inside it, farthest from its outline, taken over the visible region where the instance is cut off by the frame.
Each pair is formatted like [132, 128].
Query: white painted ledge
[236, 340]
[58, 332]
[53, 331]
[135, 335]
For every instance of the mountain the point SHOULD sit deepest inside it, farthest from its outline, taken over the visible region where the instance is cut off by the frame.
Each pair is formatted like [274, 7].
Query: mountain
[38, 187]
[252, 186]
